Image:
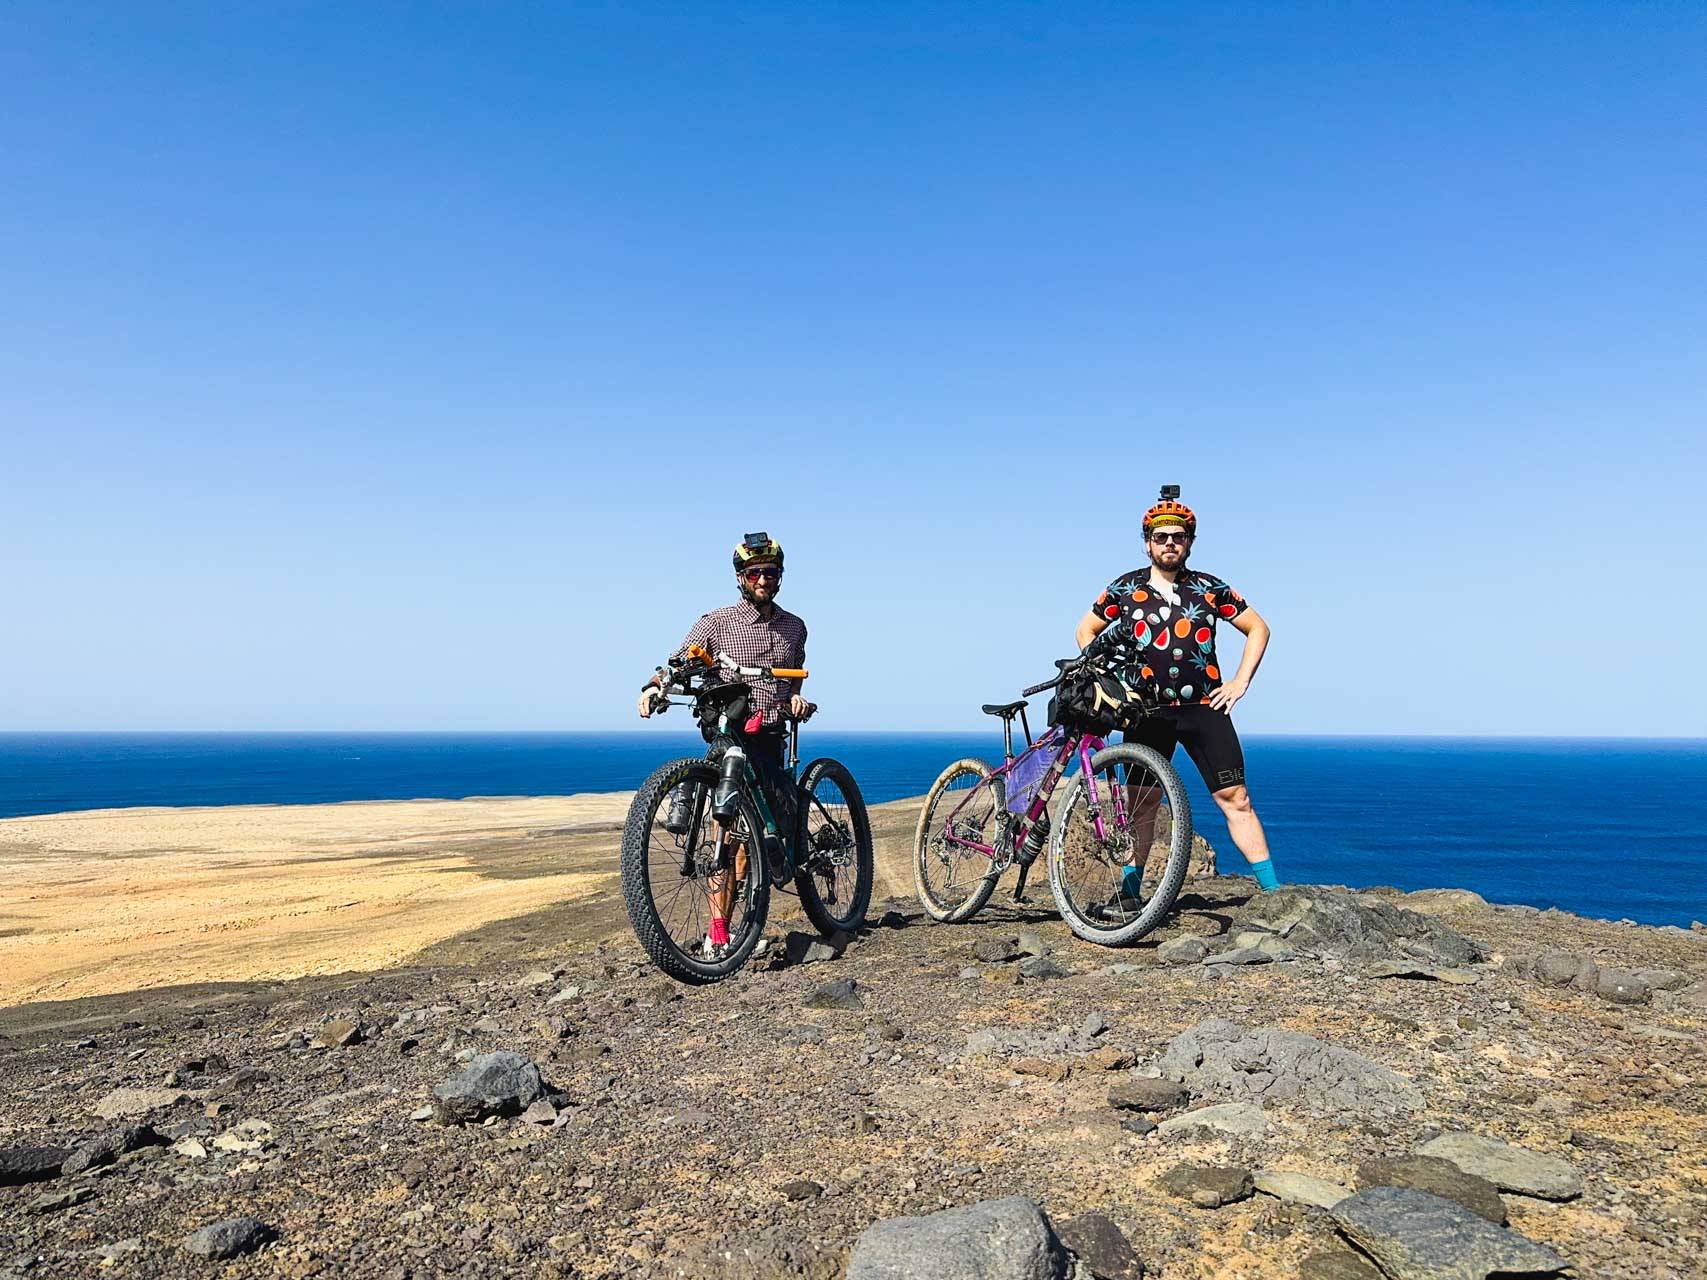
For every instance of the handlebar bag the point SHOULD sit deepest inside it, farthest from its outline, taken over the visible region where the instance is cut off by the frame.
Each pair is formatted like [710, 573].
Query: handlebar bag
[733, 699]
[1097, 700]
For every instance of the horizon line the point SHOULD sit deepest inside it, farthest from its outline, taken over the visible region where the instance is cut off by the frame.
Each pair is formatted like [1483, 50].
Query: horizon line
[684, 731]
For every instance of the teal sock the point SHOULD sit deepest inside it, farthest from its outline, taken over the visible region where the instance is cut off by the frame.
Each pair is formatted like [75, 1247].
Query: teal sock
[1267, 881]
[1132, 883]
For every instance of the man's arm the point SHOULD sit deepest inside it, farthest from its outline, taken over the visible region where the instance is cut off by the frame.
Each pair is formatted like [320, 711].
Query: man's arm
[797, 703]
[1090, 627]
[1256, 634]
[701, 634]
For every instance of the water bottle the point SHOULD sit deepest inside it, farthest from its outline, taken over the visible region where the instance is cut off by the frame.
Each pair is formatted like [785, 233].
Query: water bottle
[727, 797]
[1035, 839]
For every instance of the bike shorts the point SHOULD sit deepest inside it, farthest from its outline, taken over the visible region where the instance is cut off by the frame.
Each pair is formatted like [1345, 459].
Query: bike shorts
[1206, 734]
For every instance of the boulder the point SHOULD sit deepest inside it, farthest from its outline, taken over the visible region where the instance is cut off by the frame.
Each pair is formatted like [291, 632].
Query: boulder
[1207, 1186]
[1622, 987]
[228, 1238]
[1007, 1239]
[1299, 1188]
[842, 993]
[1322, 922]
[1415, 1236]
[1338, 1261]
[1182, 951]
[104, 1148]
[133, 1104]
[1218, 1057]
[809, 948]
[1040, 968]
[1102, 1247]
[1240, 1119]
[1147, 1095]
[996, 950]
[1438, 1177]
[341, 1032]
[493, 1084]
[19, 1165]
[1508, 1167]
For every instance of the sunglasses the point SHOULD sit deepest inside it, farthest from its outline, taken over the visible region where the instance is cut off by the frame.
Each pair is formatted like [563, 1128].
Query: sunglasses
[1181, 538]
[762, 575]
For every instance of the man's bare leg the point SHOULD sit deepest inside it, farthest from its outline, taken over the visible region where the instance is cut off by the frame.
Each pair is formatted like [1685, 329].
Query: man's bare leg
[720, 888]
[1248, 836]
[1143, 804]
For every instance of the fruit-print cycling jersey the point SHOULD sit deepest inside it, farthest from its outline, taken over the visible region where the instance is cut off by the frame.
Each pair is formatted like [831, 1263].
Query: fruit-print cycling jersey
[1169, 644]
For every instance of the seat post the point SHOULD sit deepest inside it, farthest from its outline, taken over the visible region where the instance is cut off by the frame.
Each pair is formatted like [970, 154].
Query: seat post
[1027, 725]
[1008, 736]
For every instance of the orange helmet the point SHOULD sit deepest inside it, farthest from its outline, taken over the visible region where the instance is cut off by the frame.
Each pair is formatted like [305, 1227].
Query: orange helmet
[1170, 511]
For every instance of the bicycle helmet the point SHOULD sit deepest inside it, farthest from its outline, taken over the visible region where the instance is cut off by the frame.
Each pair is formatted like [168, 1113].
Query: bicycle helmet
[756, 549]
[1170, 513]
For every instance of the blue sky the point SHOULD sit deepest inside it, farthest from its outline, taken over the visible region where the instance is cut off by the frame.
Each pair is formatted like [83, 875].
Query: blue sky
[415, 366]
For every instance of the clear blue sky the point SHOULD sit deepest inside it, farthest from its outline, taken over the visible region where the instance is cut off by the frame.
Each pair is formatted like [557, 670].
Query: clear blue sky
[415, 366]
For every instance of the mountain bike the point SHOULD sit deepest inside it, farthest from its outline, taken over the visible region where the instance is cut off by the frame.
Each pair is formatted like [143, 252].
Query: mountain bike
[703, 829]
[1125, 805]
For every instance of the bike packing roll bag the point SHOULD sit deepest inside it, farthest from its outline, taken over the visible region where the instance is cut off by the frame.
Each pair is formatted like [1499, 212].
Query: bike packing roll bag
[1025, 777]
[733, 700]
[1096, 700]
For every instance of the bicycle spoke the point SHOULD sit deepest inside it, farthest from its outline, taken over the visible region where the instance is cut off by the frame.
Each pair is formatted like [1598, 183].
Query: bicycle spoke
[1097, 873]
[964, 813]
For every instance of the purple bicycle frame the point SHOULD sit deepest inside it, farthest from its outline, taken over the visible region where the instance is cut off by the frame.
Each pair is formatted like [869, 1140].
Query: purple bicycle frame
[1085, 746]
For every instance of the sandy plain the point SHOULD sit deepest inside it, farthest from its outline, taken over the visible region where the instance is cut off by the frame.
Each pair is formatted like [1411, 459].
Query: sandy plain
[118, 900]
[114, 900]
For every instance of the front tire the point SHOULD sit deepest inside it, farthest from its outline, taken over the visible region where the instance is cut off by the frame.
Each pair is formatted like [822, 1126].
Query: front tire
[832, 846]
[665, 876]
[1085, 873]
[954, 882]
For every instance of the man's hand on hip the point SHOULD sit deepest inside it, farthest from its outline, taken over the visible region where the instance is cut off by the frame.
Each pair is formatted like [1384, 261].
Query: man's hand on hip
[1224, 698]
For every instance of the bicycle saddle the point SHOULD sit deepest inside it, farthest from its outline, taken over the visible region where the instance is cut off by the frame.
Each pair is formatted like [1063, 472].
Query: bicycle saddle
[1006, 710]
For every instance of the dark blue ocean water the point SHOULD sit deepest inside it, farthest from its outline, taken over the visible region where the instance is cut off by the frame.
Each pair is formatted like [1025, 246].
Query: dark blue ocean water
[1604, 828]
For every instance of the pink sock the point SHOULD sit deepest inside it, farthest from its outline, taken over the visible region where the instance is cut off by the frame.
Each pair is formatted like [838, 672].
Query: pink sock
[718, 933]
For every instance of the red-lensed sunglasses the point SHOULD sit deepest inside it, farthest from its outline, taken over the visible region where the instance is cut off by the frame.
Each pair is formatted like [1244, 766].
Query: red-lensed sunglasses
[762, 575]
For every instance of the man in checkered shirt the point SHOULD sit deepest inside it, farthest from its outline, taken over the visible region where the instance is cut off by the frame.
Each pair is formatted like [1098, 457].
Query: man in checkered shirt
[755, 633]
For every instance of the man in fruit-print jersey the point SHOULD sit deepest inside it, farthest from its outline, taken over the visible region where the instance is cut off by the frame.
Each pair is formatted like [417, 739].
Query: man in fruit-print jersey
[1167, 614]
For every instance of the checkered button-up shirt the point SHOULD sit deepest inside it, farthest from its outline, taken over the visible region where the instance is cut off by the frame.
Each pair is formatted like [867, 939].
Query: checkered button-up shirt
[755, 641]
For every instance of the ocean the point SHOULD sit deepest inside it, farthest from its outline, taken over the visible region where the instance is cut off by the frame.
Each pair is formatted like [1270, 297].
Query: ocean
[1614, 828]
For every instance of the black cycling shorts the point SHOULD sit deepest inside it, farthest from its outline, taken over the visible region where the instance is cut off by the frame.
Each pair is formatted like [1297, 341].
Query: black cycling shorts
[1207, 735]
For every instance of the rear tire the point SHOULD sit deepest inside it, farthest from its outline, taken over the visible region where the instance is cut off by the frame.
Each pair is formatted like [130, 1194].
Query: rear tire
[1084, 871]
[668, 909]
[954, 883]
[832, 813]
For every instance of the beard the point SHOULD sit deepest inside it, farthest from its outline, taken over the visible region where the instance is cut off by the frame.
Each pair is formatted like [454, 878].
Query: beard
[752, 597]
[1170, 558]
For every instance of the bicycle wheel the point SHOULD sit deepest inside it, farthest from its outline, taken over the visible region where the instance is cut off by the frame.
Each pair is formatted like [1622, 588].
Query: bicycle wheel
[954, 882]
[832, 843]
[1086, 872]
[668, 877]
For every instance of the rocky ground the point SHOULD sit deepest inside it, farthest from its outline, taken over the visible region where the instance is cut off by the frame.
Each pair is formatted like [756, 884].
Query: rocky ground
[1204, 1104]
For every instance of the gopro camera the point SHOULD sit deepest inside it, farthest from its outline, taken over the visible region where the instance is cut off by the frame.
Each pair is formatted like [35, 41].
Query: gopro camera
[1170, 493]
[756, 541]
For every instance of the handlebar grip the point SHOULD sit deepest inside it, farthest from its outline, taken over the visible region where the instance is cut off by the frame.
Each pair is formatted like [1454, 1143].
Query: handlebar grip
[789, 673]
